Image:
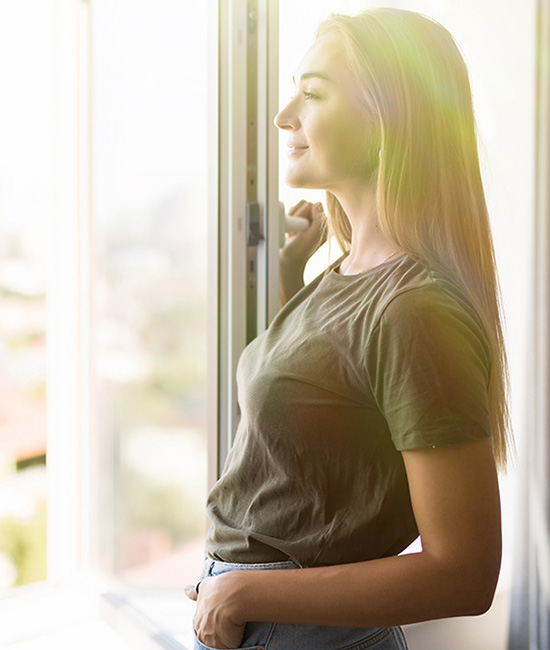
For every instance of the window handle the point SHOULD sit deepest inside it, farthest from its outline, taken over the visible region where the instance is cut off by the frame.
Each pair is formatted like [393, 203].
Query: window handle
[290, 223]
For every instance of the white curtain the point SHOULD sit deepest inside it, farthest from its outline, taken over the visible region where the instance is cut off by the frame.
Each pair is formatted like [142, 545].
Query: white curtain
[530, 615]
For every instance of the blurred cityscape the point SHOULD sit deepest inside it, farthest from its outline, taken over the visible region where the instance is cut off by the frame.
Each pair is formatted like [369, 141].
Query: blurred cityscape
[151, 371]
[22, 417]
[150, 361]
[149, 159]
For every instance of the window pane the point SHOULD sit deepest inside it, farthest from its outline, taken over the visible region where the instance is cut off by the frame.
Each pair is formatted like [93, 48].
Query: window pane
[26, 204]
[149, 210]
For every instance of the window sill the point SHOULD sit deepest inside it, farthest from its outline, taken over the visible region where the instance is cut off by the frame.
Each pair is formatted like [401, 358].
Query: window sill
[42, 615]
[156, 618]
[94, 613]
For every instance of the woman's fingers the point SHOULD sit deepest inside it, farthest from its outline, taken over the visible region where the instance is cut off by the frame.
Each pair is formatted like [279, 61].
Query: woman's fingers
[300, 207]
[300, 246]
[310, 211]
[213, 621]
[317, 211]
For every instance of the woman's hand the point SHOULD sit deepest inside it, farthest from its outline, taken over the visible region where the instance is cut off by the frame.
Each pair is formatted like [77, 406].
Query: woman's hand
[214, 619]
[300, 246]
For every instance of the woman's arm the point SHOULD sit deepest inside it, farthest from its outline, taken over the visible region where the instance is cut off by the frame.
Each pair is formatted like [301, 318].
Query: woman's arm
[454, 493]
[299, 247]
[291, 280]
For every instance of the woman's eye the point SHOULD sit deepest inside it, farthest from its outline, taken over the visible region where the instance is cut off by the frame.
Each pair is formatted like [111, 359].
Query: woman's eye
[306, 96]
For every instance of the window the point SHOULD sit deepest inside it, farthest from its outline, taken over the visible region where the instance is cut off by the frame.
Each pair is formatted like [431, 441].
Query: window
[149, 76]
[27, 159]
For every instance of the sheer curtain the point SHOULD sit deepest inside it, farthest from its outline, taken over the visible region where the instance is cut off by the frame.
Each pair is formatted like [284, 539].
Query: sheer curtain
[530, 616]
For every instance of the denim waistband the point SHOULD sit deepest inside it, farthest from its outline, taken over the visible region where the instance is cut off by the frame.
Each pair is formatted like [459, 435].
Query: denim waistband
[215, 567]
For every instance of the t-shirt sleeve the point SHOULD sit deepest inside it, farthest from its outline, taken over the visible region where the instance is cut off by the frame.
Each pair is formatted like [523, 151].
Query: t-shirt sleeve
[428, 365]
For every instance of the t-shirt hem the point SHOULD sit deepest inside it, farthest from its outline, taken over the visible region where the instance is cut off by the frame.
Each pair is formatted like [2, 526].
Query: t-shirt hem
[423, 440]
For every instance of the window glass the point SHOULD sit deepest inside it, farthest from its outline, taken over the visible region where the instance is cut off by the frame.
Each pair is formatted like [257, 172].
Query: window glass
[149, 80]
[27, 160]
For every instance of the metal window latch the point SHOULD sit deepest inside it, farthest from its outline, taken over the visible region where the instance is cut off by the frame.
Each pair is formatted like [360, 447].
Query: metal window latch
[254, 224]
[255, 228]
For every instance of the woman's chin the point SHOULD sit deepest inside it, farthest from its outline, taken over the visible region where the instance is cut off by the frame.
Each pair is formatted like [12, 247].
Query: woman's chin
[300, 182]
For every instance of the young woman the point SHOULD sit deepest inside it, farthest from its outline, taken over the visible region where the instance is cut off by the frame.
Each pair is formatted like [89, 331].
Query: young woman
[374, 406]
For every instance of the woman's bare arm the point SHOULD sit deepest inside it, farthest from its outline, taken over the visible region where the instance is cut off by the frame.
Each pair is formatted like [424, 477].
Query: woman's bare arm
[291, 280]
[299, 247]
[454, 493]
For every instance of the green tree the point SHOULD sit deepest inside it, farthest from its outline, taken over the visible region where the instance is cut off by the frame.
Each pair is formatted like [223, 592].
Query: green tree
[24, 542]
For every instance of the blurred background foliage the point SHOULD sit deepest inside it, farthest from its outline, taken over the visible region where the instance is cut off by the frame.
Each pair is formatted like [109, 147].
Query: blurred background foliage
[23, 542]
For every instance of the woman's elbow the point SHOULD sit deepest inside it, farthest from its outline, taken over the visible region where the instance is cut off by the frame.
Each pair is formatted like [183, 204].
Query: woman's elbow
[467, 583]
[480, 603]
[478, 587]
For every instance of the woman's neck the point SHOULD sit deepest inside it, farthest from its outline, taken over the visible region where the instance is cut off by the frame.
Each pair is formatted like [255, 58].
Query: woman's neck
[369, 246]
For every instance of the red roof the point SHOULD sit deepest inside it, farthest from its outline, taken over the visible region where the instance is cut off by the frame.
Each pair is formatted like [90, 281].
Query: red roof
[22, 423]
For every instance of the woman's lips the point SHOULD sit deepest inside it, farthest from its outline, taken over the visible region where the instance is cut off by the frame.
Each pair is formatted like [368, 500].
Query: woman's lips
[294, 151]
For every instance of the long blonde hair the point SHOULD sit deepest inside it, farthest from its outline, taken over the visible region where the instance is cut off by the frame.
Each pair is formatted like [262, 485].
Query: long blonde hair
[431, 203]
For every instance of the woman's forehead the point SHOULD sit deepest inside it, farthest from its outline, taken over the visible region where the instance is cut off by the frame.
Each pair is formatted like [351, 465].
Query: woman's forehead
[323, 60]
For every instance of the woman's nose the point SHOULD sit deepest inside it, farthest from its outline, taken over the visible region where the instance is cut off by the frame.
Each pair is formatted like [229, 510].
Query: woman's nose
[284, 118]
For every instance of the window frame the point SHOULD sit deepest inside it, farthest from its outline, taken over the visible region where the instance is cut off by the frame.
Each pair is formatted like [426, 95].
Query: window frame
[69, 387]
[247, 154]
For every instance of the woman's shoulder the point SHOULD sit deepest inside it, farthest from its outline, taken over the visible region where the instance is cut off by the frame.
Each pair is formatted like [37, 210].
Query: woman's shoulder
[422, 301]
[415, 286]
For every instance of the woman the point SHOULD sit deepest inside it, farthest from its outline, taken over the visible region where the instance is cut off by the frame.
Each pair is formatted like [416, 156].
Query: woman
[374, 407]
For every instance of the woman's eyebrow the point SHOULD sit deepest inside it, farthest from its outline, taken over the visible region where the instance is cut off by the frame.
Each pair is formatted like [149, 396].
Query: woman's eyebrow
[309, 75]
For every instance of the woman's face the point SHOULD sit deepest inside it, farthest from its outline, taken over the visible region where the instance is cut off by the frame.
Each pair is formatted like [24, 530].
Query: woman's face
[330, 137]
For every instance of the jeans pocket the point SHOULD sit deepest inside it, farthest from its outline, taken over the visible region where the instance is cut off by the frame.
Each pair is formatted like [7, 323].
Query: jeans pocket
[326, 637]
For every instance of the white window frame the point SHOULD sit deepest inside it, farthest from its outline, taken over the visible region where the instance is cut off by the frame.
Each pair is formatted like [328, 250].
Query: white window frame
[235, 20]
[69, 383]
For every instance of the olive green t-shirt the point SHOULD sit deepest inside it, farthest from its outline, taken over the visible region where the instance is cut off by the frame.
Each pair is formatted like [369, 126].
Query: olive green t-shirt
[351, 371]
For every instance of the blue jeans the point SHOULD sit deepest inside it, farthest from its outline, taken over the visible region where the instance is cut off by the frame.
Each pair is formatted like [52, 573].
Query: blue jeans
[286, 636]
